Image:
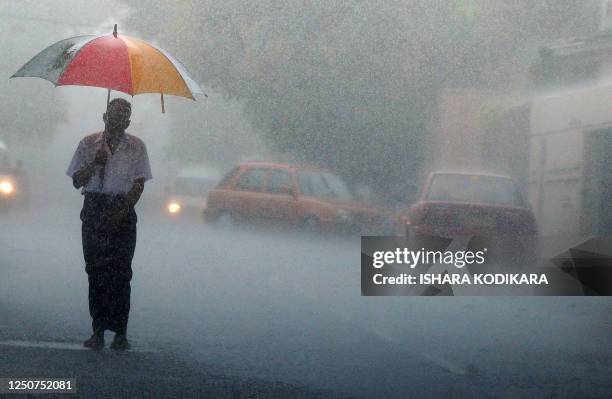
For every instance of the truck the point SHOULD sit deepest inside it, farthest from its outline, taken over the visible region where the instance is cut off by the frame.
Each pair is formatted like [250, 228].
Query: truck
[570, 159]
[557, 146]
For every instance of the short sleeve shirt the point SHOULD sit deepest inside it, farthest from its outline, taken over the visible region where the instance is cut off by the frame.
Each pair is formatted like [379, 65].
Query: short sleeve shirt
[127, 164]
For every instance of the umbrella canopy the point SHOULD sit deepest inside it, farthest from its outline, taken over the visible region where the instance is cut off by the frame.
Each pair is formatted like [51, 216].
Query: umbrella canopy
[114, 62]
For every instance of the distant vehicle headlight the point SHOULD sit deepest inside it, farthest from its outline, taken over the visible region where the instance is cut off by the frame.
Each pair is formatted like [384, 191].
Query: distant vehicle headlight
[174, 207]
[6, 187]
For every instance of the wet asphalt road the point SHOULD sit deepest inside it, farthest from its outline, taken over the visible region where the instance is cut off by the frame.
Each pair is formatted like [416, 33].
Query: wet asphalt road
[277, 314]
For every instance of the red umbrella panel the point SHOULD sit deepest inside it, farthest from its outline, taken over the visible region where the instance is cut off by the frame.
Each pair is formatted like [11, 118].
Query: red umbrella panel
[114, 62]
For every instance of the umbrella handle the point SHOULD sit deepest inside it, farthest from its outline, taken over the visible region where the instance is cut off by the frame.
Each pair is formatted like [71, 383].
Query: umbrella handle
[102, 146]
[102, 169]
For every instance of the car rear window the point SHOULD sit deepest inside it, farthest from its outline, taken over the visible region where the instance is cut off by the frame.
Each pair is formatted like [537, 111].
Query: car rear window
[474, 189]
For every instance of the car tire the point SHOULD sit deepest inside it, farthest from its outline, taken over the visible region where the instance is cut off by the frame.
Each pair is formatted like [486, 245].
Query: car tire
[225, 220]
[311, 225]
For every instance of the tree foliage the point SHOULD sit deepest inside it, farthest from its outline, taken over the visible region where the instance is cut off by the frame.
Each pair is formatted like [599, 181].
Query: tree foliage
[350, 84]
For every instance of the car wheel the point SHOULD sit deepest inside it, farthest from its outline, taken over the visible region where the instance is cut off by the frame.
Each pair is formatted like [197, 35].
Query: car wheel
[225, 220]
[311, 225]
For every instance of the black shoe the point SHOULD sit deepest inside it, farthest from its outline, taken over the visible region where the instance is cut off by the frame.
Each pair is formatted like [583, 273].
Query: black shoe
[120, 343]
[96, 341]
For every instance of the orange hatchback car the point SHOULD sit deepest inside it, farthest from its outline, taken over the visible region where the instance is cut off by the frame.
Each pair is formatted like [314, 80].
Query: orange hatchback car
[300, 196]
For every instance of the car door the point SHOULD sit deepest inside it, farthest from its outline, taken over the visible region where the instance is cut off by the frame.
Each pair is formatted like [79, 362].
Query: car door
[249, 198]
[280, 197]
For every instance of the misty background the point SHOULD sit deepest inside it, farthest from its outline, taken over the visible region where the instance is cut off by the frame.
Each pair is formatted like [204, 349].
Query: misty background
[351, 85]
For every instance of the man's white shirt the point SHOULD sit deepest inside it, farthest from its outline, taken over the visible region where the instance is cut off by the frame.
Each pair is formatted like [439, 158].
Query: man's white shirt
[127, 164]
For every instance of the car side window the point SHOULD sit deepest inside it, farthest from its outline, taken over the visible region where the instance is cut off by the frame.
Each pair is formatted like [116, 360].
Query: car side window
[252, 180]
[280, 182]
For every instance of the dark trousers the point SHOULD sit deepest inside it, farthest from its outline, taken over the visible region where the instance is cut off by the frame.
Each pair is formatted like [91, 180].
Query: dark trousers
[109, 242]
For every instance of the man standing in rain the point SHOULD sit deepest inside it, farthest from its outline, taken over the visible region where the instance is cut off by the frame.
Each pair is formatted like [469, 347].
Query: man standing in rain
[110, 167]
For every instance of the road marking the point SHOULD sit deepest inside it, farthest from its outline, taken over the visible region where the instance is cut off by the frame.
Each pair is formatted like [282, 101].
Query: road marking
[44, 344]
[57, 345]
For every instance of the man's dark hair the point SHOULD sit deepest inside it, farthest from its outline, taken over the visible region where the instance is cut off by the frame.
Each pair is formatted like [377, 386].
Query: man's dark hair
[121, 103]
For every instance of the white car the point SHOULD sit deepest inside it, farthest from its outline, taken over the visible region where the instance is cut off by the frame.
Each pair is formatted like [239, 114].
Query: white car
[187, 195]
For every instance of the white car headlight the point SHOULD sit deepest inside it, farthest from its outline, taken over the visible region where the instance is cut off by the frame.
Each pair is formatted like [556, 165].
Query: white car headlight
[6, 187]
[174, 207]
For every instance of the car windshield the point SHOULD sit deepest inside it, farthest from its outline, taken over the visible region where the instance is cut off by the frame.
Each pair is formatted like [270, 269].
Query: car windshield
[474, 189]
[323, 185]
[192, 187]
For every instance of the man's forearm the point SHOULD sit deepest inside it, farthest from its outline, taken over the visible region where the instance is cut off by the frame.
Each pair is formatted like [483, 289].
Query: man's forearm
[134, 195]
[81, 177]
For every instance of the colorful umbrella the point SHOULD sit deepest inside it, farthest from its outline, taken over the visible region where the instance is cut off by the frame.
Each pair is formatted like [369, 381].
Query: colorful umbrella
[114, 62]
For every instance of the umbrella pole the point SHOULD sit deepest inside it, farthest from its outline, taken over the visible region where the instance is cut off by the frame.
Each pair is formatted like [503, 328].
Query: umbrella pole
[162, 103]
[107, 99]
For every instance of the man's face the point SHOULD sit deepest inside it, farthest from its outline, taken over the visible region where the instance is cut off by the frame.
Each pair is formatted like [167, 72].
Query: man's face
[116, 119]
